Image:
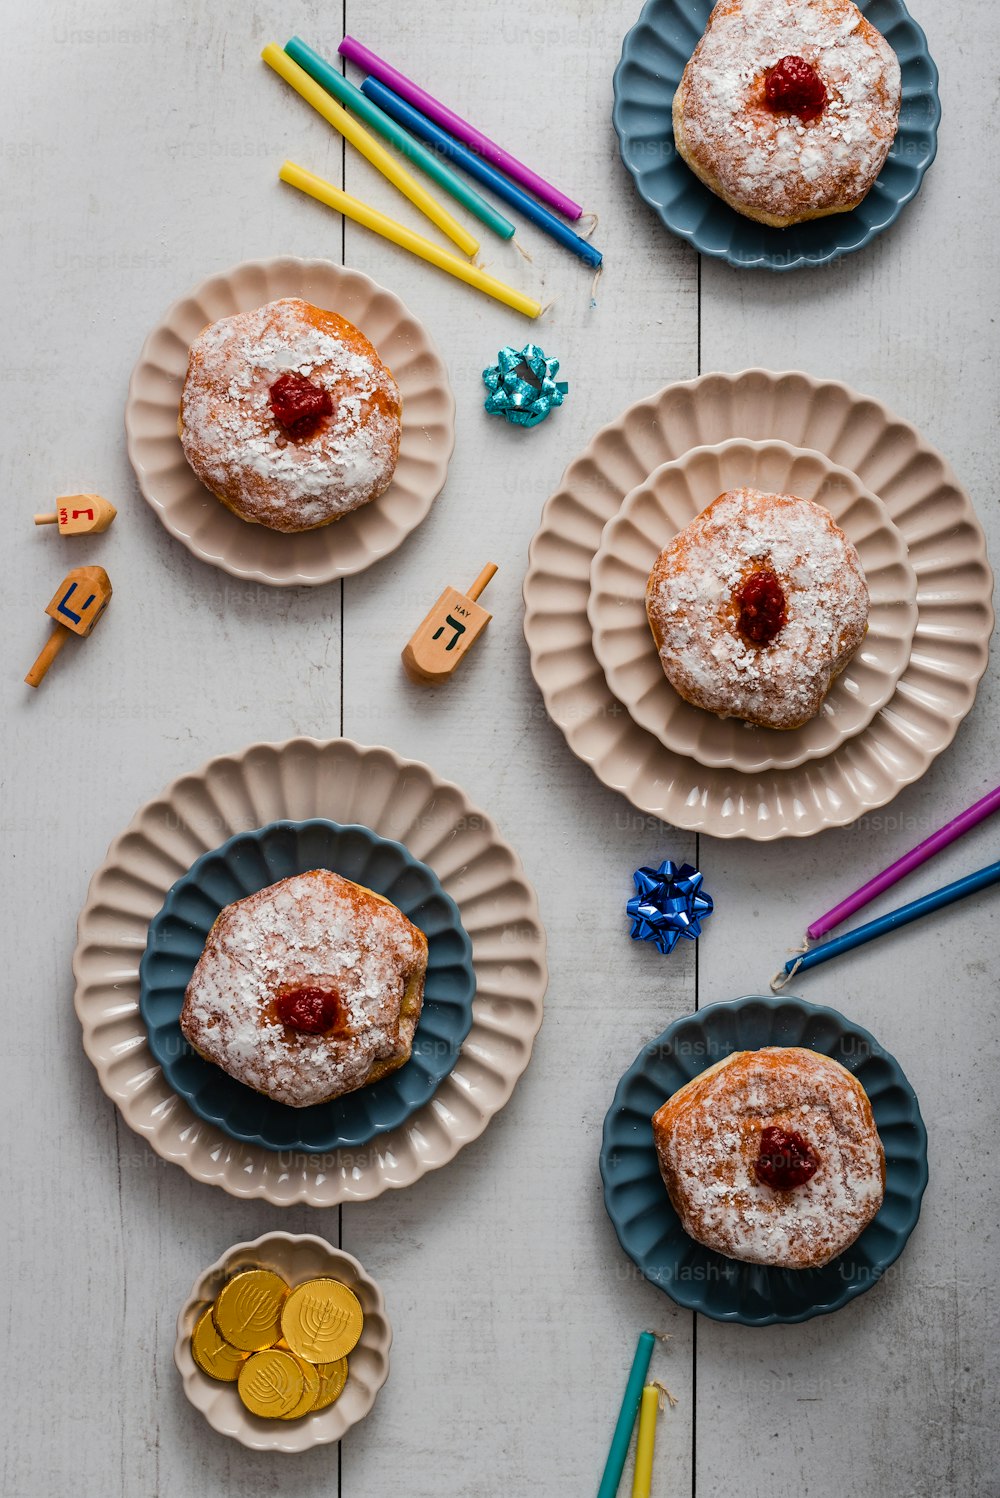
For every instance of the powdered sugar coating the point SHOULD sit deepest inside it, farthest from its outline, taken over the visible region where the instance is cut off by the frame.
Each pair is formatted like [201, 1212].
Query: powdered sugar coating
[242, 453]
[708, 1136]
[693, 609]
[769, 164]
[312, 930]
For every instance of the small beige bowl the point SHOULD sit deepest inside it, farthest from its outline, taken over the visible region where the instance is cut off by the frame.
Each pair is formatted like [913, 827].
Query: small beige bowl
[296, 1257]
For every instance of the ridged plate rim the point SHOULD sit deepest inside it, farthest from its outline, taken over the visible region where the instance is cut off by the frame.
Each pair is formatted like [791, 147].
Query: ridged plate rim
[626, 1126]
[740, 241]
[219, 1402]
[891, 649]
[947, 550]
[200, 521]
[400, 798]
[392, 1096]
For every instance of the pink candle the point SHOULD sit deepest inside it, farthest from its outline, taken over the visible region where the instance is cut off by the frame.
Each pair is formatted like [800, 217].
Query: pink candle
[456, 126]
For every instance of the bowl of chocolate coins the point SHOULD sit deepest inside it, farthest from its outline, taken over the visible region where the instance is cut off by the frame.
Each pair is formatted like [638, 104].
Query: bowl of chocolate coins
[283, 1343]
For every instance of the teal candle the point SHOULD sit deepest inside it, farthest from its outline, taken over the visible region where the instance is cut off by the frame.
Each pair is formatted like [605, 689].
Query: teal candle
[353, 99]
[615, 1465]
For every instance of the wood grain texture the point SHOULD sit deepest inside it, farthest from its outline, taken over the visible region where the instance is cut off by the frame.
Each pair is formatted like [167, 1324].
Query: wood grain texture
[149, 160]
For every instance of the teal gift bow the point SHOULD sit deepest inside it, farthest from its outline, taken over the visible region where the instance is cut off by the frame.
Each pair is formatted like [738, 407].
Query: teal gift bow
[522, 385]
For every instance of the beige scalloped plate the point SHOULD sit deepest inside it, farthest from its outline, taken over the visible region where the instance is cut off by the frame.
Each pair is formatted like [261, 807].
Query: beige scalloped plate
[296, 1257]
[205, 526]
[296, 780]
[946, 549]
[654, 512]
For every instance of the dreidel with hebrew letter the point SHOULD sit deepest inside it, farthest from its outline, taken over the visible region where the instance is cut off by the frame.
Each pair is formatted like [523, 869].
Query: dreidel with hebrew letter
[79, 515]
[444, 638]
[79, 602]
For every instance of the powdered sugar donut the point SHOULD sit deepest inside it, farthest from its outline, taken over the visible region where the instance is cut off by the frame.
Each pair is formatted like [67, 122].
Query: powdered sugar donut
[289, 416]
[787, 108]
[308, 989]
[772, 1157]
[756, 606]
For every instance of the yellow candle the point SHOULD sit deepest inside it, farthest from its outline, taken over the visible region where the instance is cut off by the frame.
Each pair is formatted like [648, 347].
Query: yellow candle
[366, 143]
[388, 228]
[644, 1445]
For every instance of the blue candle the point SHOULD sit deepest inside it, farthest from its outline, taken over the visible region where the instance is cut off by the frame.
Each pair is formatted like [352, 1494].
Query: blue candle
[902, 916]
[432, 135]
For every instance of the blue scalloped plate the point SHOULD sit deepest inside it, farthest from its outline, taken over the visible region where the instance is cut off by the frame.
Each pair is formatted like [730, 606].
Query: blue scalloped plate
[649, 1229]
[654, 55]
[246, 863]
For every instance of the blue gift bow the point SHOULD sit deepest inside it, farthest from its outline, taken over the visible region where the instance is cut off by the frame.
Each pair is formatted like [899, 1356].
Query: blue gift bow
[668, 903]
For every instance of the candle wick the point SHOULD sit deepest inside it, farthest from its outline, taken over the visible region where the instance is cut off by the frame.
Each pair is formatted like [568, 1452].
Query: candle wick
[664, 1394]
[781, 977]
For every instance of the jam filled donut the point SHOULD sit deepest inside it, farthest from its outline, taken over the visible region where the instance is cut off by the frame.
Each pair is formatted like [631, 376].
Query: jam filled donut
[772, 1157]
[289, 416]
[787, 108]
[308, 989]
[756, 606]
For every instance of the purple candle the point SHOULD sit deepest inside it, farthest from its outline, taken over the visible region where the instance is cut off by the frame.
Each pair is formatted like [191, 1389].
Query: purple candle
[455, 125]
[966, 820]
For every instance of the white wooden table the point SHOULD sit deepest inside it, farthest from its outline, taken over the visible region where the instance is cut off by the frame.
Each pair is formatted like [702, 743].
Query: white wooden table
[140, 148]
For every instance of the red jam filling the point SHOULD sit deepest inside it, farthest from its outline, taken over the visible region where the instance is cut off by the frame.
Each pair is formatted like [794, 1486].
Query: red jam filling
[299, 405]
[785, 1160]
[762, 608]
[793, 86]
[314, 1011]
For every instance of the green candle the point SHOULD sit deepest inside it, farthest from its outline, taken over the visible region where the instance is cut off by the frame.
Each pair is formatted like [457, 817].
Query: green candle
[352, 98]
[626, 1417]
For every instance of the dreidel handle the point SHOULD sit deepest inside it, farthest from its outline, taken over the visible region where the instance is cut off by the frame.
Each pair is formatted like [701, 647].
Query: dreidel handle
[47, 655]
[51, 518]
[484, 577]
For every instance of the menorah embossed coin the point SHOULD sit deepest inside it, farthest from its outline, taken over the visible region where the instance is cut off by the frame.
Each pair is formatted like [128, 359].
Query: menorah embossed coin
[213, 1354]
[332, 1378]
[322, 1320]
[271, 1383]
[248, 1310]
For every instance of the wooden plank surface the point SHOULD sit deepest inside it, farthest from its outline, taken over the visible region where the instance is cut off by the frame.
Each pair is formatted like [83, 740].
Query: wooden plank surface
[140, 151]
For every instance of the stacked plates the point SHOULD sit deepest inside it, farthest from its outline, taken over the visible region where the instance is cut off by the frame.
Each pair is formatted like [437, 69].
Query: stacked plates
[641, 479]
[404, 830]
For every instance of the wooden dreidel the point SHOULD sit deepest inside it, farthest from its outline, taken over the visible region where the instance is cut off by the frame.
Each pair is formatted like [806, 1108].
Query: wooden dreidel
[79, 602]
[444, 638]
[79, 515]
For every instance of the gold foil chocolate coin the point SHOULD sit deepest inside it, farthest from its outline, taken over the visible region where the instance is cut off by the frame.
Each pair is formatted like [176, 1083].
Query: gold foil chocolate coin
[332, 1378]
[321, 1320]
[247, 1311]
[310, 1392]
[271, 1383]
[212, 1353]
